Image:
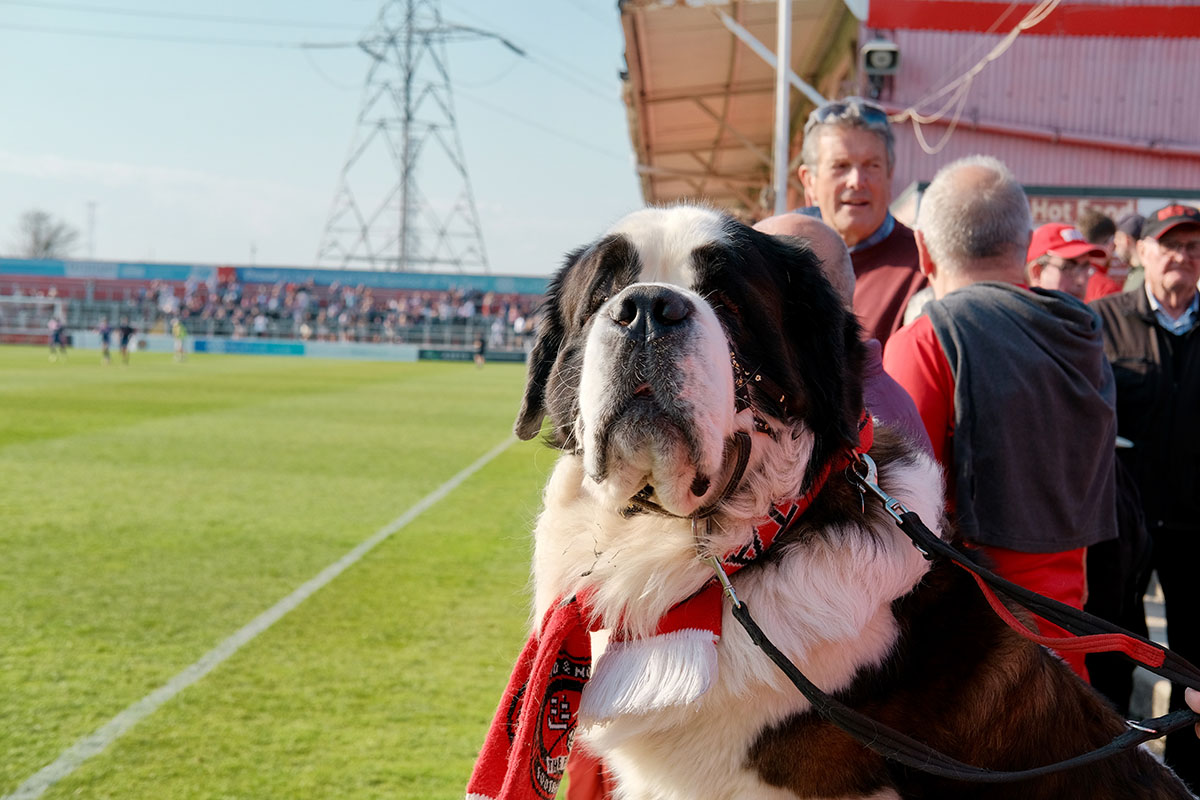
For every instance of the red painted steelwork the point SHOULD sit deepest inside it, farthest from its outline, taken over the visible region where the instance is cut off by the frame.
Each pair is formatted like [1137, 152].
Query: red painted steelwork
[1077, 19]
[1066, 137]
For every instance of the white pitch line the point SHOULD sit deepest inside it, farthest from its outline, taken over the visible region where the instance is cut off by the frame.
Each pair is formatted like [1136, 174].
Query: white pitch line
[95, 742]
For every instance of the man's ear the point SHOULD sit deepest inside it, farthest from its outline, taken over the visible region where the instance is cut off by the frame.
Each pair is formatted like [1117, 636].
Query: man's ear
[1033, 273]
[806, 180]
[928, 267]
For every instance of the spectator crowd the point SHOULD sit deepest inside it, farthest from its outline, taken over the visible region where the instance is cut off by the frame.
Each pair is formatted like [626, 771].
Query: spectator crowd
[1056, 370]
[337, 312]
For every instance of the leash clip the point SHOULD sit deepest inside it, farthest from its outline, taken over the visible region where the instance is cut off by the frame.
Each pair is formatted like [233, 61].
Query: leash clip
[723, 579]
[868, 479]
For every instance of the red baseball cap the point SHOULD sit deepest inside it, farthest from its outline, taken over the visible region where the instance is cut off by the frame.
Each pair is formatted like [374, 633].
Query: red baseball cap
[1064, 241]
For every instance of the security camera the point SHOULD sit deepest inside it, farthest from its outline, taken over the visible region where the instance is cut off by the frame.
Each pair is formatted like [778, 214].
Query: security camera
[880, 57]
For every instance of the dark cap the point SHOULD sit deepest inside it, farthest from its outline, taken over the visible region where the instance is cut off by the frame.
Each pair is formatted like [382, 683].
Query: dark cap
[1131, 225]
[1169, 217]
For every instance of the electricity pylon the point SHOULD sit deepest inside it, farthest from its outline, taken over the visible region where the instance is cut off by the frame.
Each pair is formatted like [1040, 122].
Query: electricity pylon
[404, 198]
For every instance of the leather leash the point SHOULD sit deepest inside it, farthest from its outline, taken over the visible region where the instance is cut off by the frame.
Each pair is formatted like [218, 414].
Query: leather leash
[1097, 634]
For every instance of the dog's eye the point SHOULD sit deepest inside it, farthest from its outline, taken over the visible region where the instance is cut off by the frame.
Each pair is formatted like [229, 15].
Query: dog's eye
[725, 308]
[598, 299]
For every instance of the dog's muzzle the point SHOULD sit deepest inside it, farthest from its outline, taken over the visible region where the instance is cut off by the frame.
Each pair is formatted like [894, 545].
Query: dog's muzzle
[656, 393]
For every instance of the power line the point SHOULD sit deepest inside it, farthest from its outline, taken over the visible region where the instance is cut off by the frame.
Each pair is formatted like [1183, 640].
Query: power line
[585, 81]
[218, 18]
[589, 11]
[308, 46]
[315, 67]
[524, 120]
[577, 84]
[171, 39]
[556, 69]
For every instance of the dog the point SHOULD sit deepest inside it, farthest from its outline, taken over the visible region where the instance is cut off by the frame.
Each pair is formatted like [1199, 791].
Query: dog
[663, 348]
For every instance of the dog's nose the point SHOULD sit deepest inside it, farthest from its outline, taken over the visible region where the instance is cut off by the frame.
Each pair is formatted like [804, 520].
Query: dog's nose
[649, 311]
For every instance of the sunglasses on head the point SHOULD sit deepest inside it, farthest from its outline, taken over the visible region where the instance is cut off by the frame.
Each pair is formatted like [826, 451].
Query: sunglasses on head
[849, 108]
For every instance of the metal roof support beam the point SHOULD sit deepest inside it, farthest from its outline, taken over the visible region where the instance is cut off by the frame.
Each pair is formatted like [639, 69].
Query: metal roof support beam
[691, 175]
[723, 127]
[766, 55]
[716, 90]
[729, 146]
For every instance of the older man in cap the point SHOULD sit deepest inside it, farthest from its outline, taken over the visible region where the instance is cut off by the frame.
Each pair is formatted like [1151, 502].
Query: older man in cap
[1152, 338]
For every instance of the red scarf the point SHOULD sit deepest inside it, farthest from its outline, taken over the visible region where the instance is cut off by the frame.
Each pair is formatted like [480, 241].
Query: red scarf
[525, 753]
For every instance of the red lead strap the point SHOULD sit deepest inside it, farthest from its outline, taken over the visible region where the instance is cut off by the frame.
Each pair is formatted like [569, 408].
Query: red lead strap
[1147, 655]
[1089, 634]
[781, 516]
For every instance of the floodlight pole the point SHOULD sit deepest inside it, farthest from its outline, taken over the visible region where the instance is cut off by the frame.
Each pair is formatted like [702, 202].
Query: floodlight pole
[783, 65]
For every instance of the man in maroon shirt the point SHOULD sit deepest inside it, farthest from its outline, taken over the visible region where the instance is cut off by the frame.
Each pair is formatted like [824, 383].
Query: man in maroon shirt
[848, 156]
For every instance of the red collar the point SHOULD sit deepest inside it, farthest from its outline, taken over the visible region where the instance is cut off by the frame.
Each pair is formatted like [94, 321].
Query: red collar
[781, 516]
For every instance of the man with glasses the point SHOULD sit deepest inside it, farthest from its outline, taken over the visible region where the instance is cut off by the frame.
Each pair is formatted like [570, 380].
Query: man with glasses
[1152, 338]
[847, 159]
[1060, 258]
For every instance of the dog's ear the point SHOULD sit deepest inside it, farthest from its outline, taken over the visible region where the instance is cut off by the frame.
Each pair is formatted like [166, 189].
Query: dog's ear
[590, 270]
[543, 356]
[541, 361]
[824, 335]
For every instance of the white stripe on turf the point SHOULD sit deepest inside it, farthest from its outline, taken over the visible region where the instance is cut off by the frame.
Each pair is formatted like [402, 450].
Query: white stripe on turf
[96, 741]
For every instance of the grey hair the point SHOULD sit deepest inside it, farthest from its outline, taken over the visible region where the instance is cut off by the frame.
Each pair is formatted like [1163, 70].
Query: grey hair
[847, 113]
[964, 221]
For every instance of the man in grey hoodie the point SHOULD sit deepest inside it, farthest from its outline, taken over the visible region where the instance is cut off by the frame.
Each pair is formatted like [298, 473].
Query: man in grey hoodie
[1013, 387]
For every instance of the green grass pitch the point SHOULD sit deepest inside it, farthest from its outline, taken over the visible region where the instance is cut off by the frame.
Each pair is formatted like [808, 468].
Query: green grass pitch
[148, 512]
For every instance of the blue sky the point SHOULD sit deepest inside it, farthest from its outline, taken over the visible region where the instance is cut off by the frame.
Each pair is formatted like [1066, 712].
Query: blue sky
[220, 141]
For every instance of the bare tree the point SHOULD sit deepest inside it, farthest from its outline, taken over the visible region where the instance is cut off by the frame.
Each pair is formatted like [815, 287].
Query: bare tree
[42, 236]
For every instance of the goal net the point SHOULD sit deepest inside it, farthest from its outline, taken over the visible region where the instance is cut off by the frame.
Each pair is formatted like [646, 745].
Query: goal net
[27, 319]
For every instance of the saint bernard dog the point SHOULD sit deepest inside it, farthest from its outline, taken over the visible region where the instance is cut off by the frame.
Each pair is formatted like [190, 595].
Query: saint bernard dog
[660, 344]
